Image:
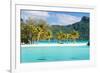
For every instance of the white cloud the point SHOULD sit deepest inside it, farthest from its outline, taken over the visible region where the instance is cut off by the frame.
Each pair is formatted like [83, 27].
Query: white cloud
[67, 19]
[62, 19]
[37, 14]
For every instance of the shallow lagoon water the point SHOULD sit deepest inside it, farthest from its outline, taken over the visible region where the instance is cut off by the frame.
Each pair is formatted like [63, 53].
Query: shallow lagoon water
[33, 54]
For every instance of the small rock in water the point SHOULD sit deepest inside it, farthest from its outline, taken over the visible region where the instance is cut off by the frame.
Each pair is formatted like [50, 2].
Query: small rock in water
[41, 59]
[73, 58]
[88, 43]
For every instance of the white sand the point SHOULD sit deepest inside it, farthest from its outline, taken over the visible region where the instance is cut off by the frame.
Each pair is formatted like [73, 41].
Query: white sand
[70, 44]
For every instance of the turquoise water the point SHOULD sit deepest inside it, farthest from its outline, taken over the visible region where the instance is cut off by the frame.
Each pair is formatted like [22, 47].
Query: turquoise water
[54, 53]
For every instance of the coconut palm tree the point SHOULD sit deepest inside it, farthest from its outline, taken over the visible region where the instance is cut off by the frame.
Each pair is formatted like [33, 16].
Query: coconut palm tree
[43, 30]
[48, 35]
[24, 36]
[30, 25]
[74, 35]
[61, 36]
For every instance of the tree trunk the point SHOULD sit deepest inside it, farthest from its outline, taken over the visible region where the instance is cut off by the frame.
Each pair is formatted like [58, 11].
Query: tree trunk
[38, 37]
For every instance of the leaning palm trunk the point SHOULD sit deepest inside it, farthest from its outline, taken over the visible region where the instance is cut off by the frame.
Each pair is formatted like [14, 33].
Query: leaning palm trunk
[49, 39]
[30, 38]
[38, 37]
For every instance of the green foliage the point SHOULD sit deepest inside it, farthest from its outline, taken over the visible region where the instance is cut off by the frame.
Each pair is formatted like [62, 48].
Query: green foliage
[67, 36]
[36, 30]
[32, 31]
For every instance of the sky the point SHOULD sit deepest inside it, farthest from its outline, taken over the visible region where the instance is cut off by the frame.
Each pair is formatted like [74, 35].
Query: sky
[54, 18]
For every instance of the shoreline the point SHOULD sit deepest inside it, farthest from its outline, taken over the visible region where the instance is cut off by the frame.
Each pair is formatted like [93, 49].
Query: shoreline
[72, 44]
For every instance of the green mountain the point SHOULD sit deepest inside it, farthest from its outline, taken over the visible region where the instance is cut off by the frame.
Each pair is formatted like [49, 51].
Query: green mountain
[82, 27]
